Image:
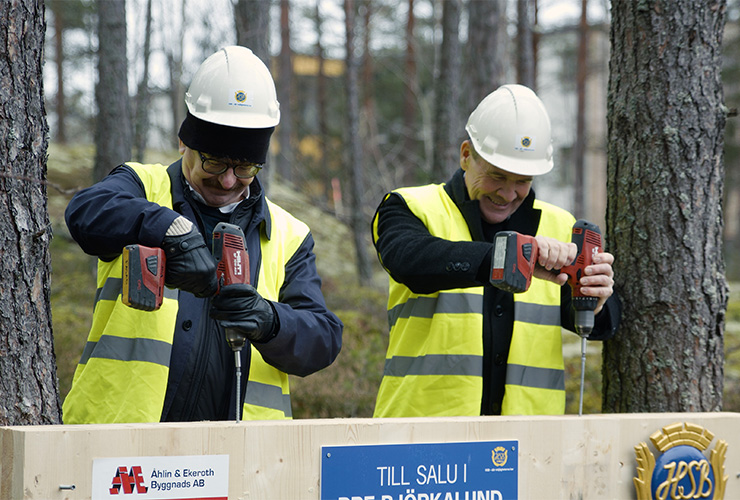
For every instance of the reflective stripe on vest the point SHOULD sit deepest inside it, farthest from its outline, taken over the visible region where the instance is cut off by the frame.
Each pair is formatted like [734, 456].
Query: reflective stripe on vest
[268, 394]
[435, 354]
[535, 377]
[122, 377]
[122, 374]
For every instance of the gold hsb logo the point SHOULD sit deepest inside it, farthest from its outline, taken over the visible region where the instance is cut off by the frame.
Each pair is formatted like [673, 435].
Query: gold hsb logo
[682, 471]
[499, 456]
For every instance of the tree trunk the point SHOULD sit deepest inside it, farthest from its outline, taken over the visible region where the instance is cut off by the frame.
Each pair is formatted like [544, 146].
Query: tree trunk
[174, 51]
[389, 174]
[113, 130]
[28, 378]
[252, 20]
[525, 45]
[731, 89]
[284, 84]
[321, 112]
[354, 148]
[448, 130]
[487, 53]
[579, 153]
[664, 217]
[143, 97]
[411, 88]
[536, 35]
[60, 107]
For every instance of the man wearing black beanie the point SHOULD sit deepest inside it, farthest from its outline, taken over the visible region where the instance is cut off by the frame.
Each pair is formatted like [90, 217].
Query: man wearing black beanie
[174, 364]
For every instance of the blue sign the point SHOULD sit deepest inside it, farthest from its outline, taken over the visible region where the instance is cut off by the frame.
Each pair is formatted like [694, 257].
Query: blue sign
[485, 470]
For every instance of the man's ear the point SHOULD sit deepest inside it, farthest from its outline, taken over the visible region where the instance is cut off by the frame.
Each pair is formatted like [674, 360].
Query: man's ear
[466, 154]
[181, 146]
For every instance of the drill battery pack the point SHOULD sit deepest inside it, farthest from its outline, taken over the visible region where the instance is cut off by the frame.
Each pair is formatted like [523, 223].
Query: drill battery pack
[513, 261]
[143, 277]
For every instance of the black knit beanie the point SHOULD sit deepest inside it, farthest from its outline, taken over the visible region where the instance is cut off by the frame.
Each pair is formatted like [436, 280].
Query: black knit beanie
[223, 141]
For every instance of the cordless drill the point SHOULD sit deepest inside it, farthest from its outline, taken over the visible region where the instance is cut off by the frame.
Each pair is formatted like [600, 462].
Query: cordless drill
[144, 267]
[230, 252]
[144, 276]
[515, 256]
[512, 266]
[587, 238]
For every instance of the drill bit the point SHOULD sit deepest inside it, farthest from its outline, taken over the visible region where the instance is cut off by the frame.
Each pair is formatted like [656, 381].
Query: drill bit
[238, 364]
[583, 374]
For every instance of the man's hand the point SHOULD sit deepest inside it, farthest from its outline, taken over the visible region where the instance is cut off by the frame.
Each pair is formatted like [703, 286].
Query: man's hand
[552, 256]
[189, 265]
[242, 308]
[599, 279]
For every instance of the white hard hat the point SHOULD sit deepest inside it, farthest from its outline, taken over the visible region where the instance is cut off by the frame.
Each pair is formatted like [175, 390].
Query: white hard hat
[233, 87]
[510, 129]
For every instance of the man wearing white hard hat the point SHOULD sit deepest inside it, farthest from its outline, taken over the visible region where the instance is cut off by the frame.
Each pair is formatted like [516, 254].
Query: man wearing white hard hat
[458, 345]
[174, 364]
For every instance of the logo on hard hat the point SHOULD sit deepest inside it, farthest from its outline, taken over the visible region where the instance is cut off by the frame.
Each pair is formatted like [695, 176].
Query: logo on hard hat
[242, 98]
[524, 143]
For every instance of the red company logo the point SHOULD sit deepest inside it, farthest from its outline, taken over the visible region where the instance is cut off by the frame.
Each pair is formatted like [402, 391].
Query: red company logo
[128, 481]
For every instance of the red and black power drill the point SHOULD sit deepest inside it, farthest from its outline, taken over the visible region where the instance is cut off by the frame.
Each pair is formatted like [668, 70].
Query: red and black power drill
[232, 267]
[512, 266]
[587, 237]
[144, 275]
[144, 267]
[230, 252]
[515, 257]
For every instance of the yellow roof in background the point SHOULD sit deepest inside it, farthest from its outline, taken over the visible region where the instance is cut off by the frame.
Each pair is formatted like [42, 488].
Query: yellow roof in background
[309, 66]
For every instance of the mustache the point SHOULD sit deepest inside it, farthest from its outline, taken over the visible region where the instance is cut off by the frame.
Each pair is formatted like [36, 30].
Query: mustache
[213, 183]
[497, 201]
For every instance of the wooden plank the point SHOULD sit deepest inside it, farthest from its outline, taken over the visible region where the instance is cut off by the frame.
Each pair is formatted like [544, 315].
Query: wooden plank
[559, 457]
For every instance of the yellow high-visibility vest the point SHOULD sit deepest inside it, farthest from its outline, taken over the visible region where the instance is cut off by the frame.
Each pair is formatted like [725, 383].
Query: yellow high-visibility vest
[122, 374]
[434, 363]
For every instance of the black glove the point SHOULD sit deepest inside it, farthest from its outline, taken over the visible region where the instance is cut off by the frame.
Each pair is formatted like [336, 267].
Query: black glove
[241, 308]
[189, 265]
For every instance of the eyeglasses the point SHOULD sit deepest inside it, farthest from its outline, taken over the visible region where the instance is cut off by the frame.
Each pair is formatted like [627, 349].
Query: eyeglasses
[218, 167]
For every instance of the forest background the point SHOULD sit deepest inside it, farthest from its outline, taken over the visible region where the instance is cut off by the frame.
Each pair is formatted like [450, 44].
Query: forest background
[400, 61]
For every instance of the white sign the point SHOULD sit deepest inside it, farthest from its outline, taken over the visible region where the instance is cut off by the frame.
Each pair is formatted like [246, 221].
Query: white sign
[161, 478]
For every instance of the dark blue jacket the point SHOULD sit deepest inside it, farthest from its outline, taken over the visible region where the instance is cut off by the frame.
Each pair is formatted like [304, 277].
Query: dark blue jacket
[115, 212]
